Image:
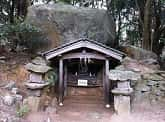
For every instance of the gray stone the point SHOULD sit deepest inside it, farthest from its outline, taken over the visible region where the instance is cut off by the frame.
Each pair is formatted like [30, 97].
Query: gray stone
[33, 103]
[15, 91]
[37, 68]
[122, 104]
[156, 91]
[10, 85]
[36, 85]
[4, 119]
[39, 61]
[51, 110]
[162, 87]
[18, 97]
[2, 61]
[123, 75]
[2, 58]
[54, 102]
[35, 78]
[163, 75]
[142, 97]
[8, 100]
[35, 93]
[151, 83]
[62, 23]
[149, 61]
[139, 53]
[120, 67]
[145, 89]
[124, 92]
[153, 77]
[135, 66]
[123, 85]
[142, 86]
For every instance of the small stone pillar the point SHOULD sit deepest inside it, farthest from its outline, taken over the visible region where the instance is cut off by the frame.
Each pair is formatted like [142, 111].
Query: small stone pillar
[122, 97]
[36, 83]
[38, 68]
[122, 94]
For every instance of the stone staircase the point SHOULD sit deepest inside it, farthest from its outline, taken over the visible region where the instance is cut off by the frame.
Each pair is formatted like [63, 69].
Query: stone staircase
[76, 99]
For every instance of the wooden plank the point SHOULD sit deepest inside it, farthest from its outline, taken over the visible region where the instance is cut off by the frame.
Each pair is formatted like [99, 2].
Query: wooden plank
[84, 55]
[61, 87]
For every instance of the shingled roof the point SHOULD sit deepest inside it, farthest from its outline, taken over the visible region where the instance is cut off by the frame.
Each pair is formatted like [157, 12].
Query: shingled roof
[86, 43]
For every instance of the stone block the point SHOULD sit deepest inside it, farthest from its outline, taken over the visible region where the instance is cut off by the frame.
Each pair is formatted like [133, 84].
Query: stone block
[35, 93]
[14, 90]
[35, 78]
[33, 103]
[8, 100]
[34, 86]
[123, 85]
[122, 104]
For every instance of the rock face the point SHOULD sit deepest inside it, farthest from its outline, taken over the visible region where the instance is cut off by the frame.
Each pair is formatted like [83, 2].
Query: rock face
[33, 103]
[150, 89]
[37, 68]
[8, 100]
[139, 53]
[123, 75]
[36, 85]
[62, 23]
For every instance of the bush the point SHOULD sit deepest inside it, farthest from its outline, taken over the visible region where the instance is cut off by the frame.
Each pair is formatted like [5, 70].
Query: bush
[22, 34]
[22, 111]
[51, 77]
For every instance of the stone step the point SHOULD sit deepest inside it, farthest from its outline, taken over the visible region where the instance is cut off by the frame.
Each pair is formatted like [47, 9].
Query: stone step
[84, 99]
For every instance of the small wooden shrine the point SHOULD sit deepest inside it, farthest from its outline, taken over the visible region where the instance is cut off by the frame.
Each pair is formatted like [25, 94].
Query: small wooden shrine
[83, 63]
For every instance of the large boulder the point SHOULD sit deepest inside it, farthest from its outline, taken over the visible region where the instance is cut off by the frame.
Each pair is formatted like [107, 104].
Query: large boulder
[62, 23]
[139, 53]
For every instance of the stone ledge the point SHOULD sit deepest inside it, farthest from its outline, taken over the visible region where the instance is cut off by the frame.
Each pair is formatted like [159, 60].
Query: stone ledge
[124, 92]
[120, 76]
[37, 68]
[36, 85]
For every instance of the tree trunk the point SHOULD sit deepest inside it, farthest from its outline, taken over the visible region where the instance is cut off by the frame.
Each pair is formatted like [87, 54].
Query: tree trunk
[156, 34]
[146, 42]
[12, 6]
[22, 6]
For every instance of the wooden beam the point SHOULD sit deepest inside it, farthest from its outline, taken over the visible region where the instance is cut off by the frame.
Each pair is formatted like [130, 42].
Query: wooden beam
[86, 44]
[84, 55]
[65, 79]
[61, 87]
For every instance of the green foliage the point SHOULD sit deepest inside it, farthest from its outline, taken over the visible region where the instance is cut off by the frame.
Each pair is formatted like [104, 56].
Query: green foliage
[22, 34]
[133, 36]
[162, 40]
[51, 77]
[66, 1]
[7, 30]
[22, 111]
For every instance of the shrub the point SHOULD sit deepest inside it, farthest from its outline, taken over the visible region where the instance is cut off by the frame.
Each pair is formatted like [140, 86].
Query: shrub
[22, 111]
[51, 77]
[22, 34]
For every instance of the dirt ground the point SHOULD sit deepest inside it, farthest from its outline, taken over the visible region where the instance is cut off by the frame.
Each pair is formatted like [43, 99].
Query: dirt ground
[95, 112]
[73, 111]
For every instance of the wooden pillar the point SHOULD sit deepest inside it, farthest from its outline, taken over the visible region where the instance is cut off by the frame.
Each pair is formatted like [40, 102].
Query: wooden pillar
[61, 87]
[65, 79]
[107, 84]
